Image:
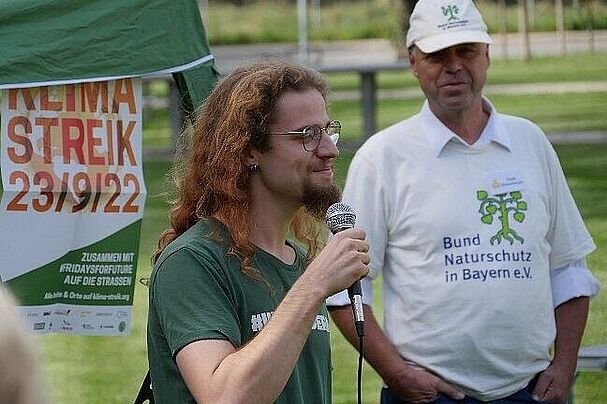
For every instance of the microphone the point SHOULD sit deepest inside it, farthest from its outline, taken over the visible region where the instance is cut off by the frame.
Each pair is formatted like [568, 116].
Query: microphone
[341, 217]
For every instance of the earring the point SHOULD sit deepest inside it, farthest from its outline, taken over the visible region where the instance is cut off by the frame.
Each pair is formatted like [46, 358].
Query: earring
[254, 168]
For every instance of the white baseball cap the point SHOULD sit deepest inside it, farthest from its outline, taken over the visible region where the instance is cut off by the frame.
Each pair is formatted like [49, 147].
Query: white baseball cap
[439, 24]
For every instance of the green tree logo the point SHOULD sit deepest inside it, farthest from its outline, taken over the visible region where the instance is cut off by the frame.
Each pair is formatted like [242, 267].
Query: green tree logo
[502, 205]
[451, 11]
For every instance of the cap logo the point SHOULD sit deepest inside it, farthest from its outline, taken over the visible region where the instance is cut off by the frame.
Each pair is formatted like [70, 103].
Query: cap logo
[451, 12]
[439, 24]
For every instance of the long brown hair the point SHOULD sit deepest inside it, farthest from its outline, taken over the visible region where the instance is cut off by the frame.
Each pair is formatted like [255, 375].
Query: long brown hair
[212, 180]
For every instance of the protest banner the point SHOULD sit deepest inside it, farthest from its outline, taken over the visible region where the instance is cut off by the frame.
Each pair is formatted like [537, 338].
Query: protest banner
[71, 148]
[72, 203]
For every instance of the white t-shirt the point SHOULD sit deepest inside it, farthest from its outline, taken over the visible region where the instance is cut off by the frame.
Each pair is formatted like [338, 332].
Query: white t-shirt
[464, 236]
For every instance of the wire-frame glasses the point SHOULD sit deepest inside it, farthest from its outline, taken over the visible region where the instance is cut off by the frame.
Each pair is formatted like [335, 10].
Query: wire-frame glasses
[311, 135]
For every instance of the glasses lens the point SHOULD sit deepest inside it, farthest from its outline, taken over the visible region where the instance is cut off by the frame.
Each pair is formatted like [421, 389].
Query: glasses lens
[333, 127]
[311, 137]
[334, 130]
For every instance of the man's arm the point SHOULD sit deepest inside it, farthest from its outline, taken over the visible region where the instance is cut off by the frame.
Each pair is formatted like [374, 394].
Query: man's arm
[555, 382]
[410, 383]
[216, 372]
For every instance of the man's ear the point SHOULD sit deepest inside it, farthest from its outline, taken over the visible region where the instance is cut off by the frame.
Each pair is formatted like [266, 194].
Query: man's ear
[250, 157]
[412, 61]
[488, 56]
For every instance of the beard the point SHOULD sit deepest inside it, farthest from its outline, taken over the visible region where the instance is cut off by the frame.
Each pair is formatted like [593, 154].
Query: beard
[316, 200]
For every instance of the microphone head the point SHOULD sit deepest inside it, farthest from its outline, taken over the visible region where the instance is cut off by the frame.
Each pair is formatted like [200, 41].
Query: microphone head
[340, 217]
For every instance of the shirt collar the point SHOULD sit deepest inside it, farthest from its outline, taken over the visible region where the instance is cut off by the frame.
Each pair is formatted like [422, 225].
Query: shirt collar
[439, 135]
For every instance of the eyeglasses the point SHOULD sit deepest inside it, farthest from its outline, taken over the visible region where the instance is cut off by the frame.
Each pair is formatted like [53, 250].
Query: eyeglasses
[311, 135]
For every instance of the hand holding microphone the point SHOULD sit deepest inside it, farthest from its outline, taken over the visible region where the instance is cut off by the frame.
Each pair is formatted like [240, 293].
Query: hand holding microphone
[341, 217]
[343, 261]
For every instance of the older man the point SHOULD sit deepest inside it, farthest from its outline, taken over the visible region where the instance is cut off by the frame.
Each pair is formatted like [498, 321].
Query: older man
[472, 224]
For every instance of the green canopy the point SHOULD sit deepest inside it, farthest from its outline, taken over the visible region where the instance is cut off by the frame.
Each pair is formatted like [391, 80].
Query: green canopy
[45, 42]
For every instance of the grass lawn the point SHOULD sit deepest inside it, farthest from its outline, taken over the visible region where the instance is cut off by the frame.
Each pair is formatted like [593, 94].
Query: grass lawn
[552, 112]
[100, 370]
[549, 69]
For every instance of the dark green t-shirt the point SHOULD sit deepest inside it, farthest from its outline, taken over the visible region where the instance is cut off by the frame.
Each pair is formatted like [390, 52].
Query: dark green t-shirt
[198, 292]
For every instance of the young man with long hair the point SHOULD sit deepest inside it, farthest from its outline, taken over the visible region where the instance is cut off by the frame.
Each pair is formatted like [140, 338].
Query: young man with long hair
[237, 308]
